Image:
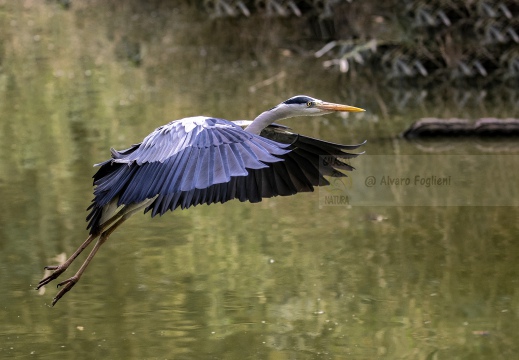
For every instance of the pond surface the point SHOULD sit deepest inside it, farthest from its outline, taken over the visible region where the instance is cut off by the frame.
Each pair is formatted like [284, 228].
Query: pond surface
[288, 278]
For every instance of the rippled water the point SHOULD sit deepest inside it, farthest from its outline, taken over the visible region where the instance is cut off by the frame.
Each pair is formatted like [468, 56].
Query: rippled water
[286, 278]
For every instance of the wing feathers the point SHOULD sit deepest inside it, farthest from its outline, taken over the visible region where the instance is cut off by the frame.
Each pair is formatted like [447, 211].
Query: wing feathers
[203, 161]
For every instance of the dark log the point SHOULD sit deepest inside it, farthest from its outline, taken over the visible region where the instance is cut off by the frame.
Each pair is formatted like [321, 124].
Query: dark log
[486, 127]
[496, 127]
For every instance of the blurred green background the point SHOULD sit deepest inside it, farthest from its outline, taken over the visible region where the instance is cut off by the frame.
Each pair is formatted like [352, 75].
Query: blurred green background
[285, 278]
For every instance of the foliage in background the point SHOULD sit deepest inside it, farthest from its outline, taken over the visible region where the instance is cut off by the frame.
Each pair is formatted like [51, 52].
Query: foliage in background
[468, 41]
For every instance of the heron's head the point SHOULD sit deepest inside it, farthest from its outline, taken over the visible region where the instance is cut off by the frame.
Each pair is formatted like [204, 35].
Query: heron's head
[302, 105]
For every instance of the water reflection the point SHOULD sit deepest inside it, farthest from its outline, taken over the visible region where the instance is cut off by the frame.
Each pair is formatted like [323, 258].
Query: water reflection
[283, 278]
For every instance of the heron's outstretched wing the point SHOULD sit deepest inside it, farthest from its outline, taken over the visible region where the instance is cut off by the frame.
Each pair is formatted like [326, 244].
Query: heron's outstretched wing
[316, 157]
[178, 162]
[283, 134]
[205, 160]
[323, 156]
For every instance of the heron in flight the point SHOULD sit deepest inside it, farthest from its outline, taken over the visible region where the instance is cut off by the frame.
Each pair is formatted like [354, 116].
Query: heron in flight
[204, 160]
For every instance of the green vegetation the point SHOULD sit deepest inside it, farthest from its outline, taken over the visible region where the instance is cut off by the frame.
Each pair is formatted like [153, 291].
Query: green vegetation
[280, 279]
[413, 41]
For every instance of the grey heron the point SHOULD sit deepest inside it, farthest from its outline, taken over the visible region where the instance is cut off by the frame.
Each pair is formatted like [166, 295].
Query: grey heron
[205, 160]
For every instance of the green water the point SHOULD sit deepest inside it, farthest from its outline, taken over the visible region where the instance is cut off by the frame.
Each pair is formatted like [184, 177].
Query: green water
[287, 278]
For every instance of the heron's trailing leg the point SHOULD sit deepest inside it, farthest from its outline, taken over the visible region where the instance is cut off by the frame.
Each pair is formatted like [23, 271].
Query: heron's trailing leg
[60, 269]
[70, 282]
[115, 221]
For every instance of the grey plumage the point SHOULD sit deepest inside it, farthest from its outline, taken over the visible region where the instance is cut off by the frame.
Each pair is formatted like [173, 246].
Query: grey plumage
[204, 160]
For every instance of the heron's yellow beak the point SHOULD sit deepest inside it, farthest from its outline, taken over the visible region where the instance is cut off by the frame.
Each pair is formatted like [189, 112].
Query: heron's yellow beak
[337, 107]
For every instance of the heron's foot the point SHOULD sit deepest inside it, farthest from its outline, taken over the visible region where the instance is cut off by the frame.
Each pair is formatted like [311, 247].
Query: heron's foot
[58, 270]
[67, 285]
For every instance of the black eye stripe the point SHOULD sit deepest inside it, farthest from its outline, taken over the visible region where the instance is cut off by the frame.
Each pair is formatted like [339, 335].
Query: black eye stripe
[298, 100]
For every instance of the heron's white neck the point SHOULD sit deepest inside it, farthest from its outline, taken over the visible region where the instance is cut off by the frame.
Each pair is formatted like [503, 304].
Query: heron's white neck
[268, 117]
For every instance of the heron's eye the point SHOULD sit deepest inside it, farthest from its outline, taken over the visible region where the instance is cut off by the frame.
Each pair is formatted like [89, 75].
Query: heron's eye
[310, 104]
